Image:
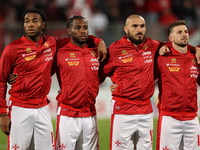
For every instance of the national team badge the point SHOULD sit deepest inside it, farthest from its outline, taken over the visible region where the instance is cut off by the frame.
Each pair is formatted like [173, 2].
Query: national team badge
[124, 52]
[72, 55]
[145, 47]
[46, 44]
[93, 53]
[194, 61]
[28, 50]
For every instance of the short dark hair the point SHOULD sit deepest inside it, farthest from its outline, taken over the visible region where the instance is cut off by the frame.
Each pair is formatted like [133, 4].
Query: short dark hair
[70, 20]
[174, 24]
[38, 11]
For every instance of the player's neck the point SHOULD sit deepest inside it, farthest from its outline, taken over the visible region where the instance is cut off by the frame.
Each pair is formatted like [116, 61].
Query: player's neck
[180, 49]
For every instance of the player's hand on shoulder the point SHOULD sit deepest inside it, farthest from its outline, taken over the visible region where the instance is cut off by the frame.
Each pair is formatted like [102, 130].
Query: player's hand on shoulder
[164, 50]
[5, 123]
[12, 78]
[102, 50]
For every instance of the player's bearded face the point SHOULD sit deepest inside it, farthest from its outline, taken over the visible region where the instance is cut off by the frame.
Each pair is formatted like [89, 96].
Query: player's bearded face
[135, 39]
[78, 40]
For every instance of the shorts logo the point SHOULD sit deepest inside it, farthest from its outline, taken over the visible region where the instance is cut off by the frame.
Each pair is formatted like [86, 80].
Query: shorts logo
[176, 69]
[118, 143]
[165, 148]
[15, 147]
[62, 146]
[28, 58]
[127, 60]
[73, 63]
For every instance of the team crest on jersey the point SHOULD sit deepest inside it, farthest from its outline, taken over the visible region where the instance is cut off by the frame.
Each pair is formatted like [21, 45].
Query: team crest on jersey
[46, 44]
[173, 60]
[28, 50]
[93, 53]
[73, 63]
[127, 60]
[145, 47]
[165, 148]
[124, 52]
[72, 55]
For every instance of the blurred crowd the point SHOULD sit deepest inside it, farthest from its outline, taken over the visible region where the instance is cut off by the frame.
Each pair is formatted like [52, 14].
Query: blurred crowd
[100, 13]
[162, 11]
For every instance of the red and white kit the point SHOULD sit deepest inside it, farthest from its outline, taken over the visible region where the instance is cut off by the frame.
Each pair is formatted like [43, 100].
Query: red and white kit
[76, 115]
[178, 125]
[28, 108]
[132, 69]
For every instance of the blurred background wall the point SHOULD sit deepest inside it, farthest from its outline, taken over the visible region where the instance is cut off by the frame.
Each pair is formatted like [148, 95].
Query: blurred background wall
[106, 20]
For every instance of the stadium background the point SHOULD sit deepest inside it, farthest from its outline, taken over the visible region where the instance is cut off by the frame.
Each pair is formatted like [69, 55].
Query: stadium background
[106, 20]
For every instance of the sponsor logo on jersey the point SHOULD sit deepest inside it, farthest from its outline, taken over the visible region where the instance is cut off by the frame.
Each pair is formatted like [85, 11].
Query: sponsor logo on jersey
[72, 55]
[46, 44]
[47, 50]
[95, 68]
[94, 60]
[124, 52]
[176, 69]
[173, 60]
[146, 53]
[127, 60]
[145, 47]
[28, 58]
[73, 63]
[28, 50]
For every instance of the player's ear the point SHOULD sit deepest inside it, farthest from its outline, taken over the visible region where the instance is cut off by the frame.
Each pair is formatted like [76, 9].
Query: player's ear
[69, 31]
[125, 30]
[170, 38]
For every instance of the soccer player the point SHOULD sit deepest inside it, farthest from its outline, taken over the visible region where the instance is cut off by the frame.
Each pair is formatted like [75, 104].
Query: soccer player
[77, 74]
[31, 57]
[178, 73]
[131, 67]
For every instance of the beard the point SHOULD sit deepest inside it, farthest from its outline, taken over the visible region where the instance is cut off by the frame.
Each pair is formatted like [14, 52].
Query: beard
[78, 41]
[33, 36]
[182, 44]
[134, 40]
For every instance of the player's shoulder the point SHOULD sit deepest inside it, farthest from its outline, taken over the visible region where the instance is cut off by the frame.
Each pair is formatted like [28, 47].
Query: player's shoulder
[15, 42]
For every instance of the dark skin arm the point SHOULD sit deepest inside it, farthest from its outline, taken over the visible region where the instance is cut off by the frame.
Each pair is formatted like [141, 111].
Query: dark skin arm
[12, 78]
[5, 123]
[102, 49]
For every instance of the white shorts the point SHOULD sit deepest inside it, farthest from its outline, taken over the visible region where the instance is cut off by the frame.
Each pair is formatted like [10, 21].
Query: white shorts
[173, 134]
[130, 132]
[27, 123]
[76, 133]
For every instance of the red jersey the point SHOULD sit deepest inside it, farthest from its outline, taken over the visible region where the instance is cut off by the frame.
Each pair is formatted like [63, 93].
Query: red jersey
[177, 77]
[32, 62]
[131, 67]
[78, 79]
